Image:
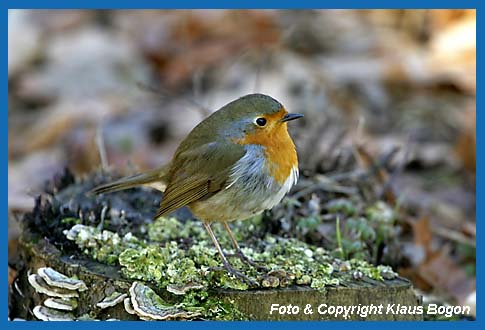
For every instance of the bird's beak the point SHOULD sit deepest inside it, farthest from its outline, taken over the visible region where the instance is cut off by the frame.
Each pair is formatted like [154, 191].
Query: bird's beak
[291, 116]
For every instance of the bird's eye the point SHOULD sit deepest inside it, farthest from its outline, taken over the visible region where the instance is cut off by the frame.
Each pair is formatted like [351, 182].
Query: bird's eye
[261, 121]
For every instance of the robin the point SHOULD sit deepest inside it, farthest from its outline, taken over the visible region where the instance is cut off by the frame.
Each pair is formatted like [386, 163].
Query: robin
[235, 164]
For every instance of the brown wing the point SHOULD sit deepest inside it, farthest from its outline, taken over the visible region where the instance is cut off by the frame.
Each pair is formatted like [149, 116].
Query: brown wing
[199, 173]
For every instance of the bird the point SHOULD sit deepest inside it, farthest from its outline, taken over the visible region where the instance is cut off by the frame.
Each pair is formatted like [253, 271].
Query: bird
[235, 164]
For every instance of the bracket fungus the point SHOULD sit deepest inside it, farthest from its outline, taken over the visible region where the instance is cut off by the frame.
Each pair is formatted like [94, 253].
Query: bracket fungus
[50, 314]
[149, 306]
[128, 306]
[64, 304]
[63, 291]
[112, 300]
[41, 286]
[183, 289]
[54, 278]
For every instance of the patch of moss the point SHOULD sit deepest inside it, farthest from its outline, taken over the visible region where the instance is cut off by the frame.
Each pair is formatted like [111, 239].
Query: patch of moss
[168, 259]
[209, 308]
[178, 263]
[380, 212]
[343, 206]
[144, 264]
[365, 230]
[70, 221]
[168, 229]
[101, 245]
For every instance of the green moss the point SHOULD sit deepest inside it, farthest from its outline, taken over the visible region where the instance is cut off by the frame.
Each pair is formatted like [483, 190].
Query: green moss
[181, 255]
[70, 221]
[217, 310]
[365, 229]
[306, 224]
[167, 229]
[143, 263]
[213, 309]
[342, 205]
[380, 212]
[176, 263]
[103, 246]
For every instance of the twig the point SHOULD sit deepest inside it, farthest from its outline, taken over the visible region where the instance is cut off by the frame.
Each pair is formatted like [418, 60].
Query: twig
[101, 147]
[453, 235]
[103, 215]
[325, 186]
[376, 168]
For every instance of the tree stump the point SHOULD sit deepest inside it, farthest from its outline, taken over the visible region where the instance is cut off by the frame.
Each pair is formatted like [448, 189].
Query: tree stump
[102, 280]
[129, 250]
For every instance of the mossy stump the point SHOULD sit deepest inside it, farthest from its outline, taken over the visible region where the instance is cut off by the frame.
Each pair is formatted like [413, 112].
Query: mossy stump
[168, 269]
[102, 280]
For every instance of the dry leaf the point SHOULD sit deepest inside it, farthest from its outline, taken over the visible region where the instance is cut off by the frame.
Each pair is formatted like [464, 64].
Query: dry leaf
[444, 274]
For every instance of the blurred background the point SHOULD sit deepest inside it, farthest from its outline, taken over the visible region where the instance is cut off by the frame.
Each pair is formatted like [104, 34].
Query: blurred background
[386, 93]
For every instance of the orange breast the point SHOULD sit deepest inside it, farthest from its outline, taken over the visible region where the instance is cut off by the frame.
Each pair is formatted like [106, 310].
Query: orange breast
[279, 147]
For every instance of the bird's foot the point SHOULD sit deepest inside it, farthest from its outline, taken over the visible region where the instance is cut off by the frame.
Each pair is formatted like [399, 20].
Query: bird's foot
[240, 276]
[239, 254]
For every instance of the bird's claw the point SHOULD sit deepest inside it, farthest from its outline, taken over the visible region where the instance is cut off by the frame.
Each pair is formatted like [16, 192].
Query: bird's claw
[240, 276]
[239, 254]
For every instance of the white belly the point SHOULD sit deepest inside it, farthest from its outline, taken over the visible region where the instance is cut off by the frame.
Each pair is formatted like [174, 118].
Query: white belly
[250, 191]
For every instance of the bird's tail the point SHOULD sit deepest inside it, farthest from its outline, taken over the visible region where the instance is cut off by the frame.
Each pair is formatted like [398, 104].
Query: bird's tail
[155, 178]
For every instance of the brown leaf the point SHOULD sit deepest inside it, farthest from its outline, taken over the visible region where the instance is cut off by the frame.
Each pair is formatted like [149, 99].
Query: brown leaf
[443, 273]
[197, 41]
[465, 147]
[12, 275]
[411, 274]
[422, 234]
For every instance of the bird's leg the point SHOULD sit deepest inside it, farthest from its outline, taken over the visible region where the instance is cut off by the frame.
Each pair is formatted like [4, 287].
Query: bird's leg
[239, 252]
[226, 263]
